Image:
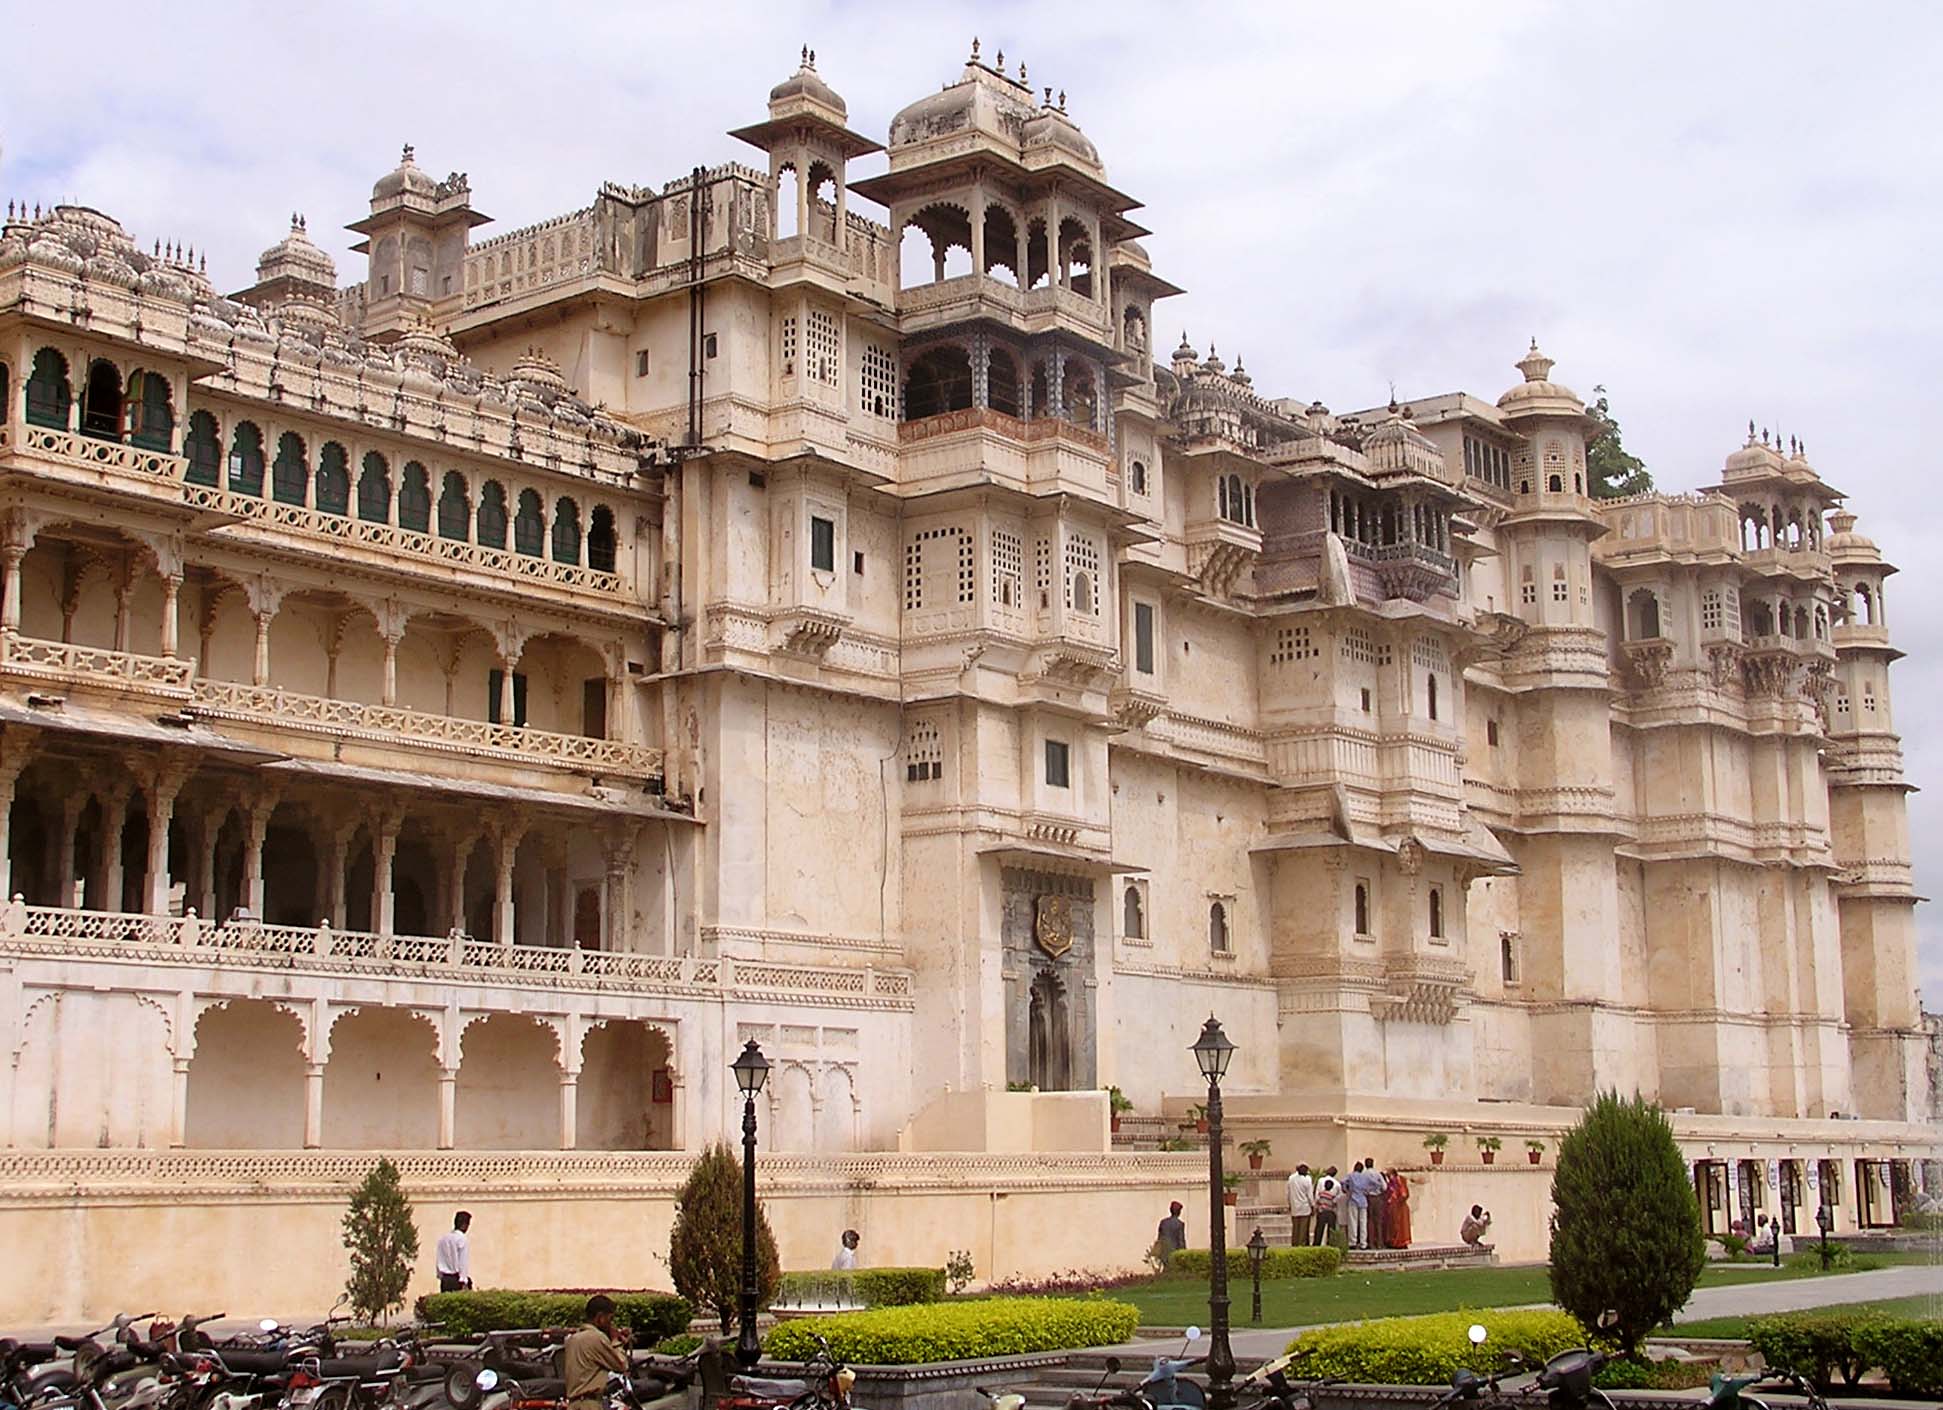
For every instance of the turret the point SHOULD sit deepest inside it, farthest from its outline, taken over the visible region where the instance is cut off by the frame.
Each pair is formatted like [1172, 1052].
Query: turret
[416, 239]
[1552, 525]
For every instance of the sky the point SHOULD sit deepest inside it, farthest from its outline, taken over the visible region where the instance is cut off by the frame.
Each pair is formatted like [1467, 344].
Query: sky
[1717, 211]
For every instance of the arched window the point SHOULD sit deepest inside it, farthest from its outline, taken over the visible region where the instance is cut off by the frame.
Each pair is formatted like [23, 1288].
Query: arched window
[566, 531]
[147, 416]
[1082, 593]
[101, 401]
[1362, 908]
[1081, 400]
[1436, 913]
[1002, 383]
[334, 480]
[1137, 476]
[455, 507]
[940, 380]
[1218, 928]
[1133, 923]
[492, 515]
[1643, 608]
[204, 447]
[290, 471]
[414, 497]
[246, 459]
[1556, 484]
[1430, 693]
[601, 545]
[529, 525]
[6, 392]
[374, 490]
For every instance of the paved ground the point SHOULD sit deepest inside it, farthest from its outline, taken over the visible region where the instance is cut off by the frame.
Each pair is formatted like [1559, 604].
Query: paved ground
[1907, 1280]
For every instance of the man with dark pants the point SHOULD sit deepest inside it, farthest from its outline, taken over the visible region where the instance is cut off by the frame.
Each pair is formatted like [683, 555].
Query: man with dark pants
[454, 1255]
[590, 1353]
[1379, 1192]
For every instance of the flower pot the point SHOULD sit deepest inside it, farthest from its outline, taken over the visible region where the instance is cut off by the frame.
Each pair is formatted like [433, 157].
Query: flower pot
[1436, 1157]
[1201, 1127]
[1254, 1162]
[1231, 1197]
[1490, 1157]
[1535, 1155]
[1116, 1123]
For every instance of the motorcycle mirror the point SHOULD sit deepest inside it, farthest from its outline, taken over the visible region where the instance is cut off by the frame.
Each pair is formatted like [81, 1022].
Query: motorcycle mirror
[268, 1324]
[1478, 1334]
[1194, 1334]
[487, 1379]
[1112, 1364]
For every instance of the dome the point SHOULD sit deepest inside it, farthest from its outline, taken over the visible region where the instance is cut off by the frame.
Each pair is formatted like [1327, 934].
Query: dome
[295, 257]
[1844, 545]
[1397, 445]
[980, 103]
[1185, 352]
[408, 179]
[1050, 127]
[1755, 457]
[1538, 395]
[806, 84]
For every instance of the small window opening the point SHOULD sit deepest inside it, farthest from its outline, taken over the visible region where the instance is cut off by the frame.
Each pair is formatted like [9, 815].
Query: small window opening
[1491, 733]
[1430, 692]
[1436, 913]
[1058, 764]
[1366, 699]
[641, 363]
[1143, 638]
[1133, 922]
[857, 563]
[708, 345]
[823, 544]
[1218, 937]
[1362, 908]
[1508, 958]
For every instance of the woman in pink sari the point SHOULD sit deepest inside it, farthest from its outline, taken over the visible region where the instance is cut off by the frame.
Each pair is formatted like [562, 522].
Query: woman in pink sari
[1396, 1212]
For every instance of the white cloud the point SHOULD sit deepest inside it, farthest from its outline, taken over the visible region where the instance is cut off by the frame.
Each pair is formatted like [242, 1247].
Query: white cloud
[1718, 211]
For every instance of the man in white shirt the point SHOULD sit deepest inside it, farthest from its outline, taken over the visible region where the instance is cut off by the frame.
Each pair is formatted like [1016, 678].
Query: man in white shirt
[847, 1253]
[1302, 1204]
[454, 1255]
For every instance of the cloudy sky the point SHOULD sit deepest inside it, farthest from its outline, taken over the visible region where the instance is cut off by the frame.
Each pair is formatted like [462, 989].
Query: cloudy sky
[1720, 211]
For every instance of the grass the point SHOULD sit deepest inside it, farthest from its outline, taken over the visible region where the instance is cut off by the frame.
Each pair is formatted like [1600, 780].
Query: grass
[1352, 1296]
[1736, 1327]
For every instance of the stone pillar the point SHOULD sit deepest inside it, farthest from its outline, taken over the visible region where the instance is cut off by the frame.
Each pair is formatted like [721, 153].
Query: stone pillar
[508, 663]
[114, 819]
[261, 675]
[569, 1108]
[71, 807]
[803, 160]
[10, 558]
[384, 850]
[124, 590]
[19, 751]
[503, 892]
[978, 232]
[448, 1105]
[613, 932]
[212, 831]
[161, 812]
[179, 1105]
[259, 828]
[313, 1105]
[340, 865]
[390, 692]
[171, 625]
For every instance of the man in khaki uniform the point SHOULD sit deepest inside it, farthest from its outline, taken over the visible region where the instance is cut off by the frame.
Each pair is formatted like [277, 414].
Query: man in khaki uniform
[591, 1352]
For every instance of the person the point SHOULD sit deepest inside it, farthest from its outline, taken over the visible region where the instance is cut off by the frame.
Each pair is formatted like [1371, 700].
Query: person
[1396, 1212]
[1329, 1193]
[1764, 1235]
[1302, 1205]
[1379, 1190]
[1356, 1190]
[846, 1251]
[454, 1255]
[1172, 1235]
[590, 1353]
[1476, 1225]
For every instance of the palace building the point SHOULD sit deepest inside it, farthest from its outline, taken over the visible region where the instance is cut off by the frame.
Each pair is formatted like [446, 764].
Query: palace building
[450, 712]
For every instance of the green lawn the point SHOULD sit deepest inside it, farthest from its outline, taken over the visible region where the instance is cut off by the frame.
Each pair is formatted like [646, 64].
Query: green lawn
[1736, 1327]
[1350, 1296]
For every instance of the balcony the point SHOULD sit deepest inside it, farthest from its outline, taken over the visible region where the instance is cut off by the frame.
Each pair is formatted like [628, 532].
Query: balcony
[64, 664]
[1219, 551]
[393, 725]
[336, 532]
[977, 445]
[1412, 570]
[251, 946]
[70, 456]
[1780, 561]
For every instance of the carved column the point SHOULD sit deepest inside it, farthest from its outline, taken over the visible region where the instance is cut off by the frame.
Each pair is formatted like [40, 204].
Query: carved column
[390, 691]
[212, 833]
[569, 1108]
[114, 822]
[163, 788]
[179, 1105]
[10, 559]
[258, 819]
[124, 591]
[448, 1106]
[508, 663]
[261, 674]
[613, 903]
[978, 231]
[171, 626]
[71, 807]
[313, 1105]
[503, 914]
[340, 865]
[384, 850]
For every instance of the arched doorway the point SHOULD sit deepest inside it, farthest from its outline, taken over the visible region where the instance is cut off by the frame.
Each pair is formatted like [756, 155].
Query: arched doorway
[246, 1080]
[508, 1094]
[1049, 1064]
[381, 1083]
[625, 1100]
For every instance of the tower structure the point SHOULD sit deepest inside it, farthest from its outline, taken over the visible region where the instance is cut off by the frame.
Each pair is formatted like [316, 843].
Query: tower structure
[415, 239]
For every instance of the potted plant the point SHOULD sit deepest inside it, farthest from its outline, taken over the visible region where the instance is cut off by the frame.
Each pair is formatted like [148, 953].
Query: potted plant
[1534, 1150]
[1488, 1148]
[1117, 1103]
[1435, 1143]
[1231, 1188]
[1256, 1151]
[1199, 1116]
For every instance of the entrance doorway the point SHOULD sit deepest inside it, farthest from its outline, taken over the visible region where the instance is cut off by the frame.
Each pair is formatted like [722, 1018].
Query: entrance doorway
[1791, 1183]
[1049, 1061]
[1710, 1185]
[1875, 1196]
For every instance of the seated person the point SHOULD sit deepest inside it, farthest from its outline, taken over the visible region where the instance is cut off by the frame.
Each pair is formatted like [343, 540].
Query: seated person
[1476, 1225]
[1764, 1235]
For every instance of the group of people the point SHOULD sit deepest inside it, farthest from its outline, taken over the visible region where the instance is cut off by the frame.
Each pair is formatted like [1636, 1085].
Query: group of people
[1371, 1206]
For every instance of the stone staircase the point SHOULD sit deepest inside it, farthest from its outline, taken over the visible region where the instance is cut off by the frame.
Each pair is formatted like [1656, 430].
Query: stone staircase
[1050, 1386]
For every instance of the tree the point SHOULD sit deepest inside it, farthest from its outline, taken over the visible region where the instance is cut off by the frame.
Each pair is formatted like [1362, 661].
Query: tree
[1627, 1245]
[1613, 472]
[705, 1250]
[383, 1244]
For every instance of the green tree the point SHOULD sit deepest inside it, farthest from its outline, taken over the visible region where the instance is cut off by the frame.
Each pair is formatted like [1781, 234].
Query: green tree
[1627, 1246]
[1613, 471]
[705, 1250]
[383, 1244]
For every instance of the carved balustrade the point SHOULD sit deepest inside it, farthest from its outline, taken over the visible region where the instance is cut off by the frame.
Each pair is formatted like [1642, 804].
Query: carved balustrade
[316, 714]
[66, 663]
[85, 452]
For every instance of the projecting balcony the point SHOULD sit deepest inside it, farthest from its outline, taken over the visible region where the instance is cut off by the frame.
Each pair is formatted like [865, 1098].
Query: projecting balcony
[1780, 560]
[1412, 570]
[74, 458]
[248, 945]
[1220, 550]
[978, 445]
[64, 664]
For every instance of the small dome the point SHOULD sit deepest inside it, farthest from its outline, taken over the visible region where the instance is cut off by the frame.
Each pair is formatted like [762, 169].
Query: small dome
[805, 83]
[1538, 395]
[1397, 445]
[296, 257]
[980, 103]
[1241, 376]
[1845, 545]
[1755, 457]
[407, 179]
[1185, 352]
[537, 370]
[1050, 127]
[1214, 362]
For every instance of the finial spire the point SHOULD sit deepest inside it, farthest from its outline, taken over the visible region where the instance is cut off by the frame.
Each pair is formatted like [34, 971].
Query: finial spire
[974, 53]
[1534, 364]
[1022, 77]
[1049, 95]
[805, 60]
[1000, 65]
[1062, 100]
[406, 159]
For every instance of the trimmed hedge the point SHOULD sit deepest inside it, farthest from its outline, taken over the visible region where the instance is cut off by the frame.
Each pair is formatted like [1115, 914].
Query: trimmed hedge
[1909, 1351]
[650, 1316]
[863, 1287]
[957, 1331]
[1421, 1351]
[1314, 1262]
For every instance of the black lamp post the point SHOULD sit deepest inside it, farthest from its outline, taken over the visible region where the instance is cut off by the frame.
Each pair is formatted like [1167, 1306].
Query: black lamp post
[1212, 1050]
[1822, 1221]
[1257, 1251]
[750, 1069]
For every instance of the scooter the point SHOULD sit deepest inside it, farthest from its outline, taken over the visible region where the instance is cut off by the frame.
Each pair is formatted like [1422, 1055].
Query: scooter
[1271, 1380]
[1165, 1390]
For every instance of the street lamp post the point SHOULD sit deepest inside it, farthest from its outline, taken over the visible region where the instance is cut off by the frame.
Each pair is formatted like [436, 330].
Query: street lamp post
[1257, 1251]
[1822, 1221]
[1212, 1050]
[750, 1069]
